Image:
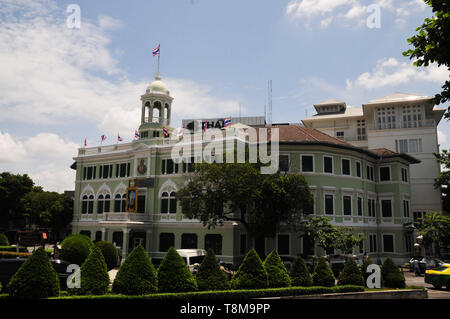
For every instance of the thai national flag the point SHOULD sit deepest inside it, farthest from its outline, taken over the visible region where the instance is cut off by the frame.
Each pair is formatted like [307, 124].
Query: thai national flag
[156, 51]
[227, 122]
[136, 135]
[165, 132]
[85, 142]
[204, 127]
[119, 139]
[103, 138]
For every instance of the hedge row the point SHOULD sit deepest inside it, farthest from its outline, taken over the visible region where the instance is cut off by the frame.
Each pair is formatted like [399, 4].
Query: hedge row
[12, 255]
[13, 249]
[232, 294]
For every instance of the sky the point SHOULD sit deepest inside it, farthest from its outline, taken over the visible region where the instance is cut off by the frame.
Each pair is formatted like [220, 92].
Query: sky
[60, 84]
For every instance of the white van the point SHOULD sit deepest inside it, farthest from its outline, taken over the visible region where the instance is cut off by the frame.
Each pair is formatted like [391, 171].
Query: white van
[192, 256]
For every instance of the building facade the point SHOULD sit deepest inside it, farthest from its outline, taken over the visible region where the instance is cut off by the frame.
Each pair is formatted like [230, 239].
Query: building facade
[403, 123]
[369, 190]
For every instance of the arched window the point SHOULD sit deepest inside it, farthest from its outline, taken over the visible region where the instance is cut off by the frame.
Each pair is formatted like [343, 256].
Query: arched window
[84, 204]
[100, 204]
[120, 202]
[107, 203]
[168, 203]
[156, 111]
[91, 204]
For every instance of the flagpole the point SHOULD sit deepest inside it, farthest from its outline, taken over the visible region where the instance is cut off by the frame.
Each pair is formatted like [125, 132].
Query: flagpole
[159, 55]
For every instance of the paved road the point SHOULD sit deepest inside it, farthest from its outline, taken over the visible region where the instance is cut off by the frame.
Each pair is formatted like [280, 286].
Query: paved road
[412, 280]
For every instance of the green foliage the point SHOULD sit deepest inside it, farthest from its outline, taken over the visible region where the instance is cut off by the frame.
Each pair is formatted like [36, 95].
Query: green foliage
[174, 275]
[11, 255]
[36, 278]
[391, 275]
[299, 273]
[136, 275]
[4, 240]
[251, 273]
[351, 275]
[276, 271]
[210, 276]
[94, 275]
[47, 209]
[264, 200]
[364, 266]
[76, 248]
[13, 249]
[432, 44]
[232, 294]
[110, 252]
[323, 275]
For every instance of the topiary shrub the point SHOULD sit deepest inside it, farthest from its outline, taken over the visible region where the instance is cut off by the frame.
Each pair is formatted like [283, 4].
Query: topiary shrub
[210, 276]
[136, 276]
[36, 278]
[94, 275]
[276, 271]
[351, 275]
[4, 240]
[174, 275]
[323, 275]
[300, 275]
[110, 252]
[76, 248]
[251, 273]
[367, 261]
[391, 275]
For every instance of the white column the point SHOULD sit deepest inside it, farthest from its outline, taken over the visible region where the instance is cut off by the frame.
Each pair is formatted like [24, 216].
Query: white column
[148, 240]
[104, 234]
[125, 243]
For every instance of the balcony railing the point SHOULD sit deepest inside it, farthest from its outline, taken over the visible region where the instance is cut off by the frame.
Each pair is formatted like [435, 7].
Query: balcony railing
[402, 125]
[138, 217]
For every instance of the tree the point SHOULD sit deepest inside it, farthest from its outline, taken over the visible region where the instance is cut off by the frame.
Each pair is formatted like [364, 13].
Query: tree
[443, 180]
[136, 276]
[251, 273]
[239, 192]
[36, 278]
[94, 275]
[329, 236]
[435, 229]
[300, 275]
[12, 189]
[47, 210]
[323, 275]
[432, 44]
[210, 276]
[174, 275]
[391, 275]
[351, 275]
[76, 248]
[276, 271]
[110, 252]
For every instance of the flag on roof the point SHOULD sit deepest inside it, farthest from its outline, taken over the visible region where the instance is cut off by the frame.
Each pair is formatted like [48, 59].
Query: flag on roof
[136, 135]
[204, 126]
[156, 50]
[227, 121]
[119, 139]
[180, 130]
[165, 132]
[103, 137]
[85, 142]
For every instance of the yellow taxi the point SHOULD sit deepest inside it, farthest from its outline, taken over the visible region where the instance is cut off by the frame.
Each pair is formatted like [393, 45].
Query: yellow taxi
[439, 276]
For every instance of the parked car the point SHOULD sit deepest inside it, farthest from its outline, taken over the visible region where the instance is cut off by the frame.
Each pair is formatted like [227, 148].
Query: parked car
[192, 257]
[439, 276]
[8, 267]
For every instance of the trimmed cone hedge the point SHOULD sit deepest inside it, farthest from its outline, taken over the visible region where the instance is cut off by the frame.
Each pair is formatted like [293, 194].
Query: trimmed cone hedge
[351, 275]
[110, 252]
[323, 275]
[36, 278]
[76, 248]
[276, 271]
[136, 276]
[174, 275]
[300, 275]
[210, 276]
[251, 273]
[391, 275]
[94, 275]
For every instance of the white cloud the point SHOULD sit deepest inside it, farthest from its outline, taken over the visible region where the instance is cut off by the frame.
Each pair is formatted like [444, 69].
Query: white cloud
[109, 23]
[391, 72]
[442, 137]
[10, 150]
[347, 12]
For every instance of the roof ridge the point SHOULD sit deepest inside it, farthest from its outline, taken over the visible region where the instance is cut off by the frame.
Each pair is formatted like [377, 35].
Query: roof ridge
[307, 133]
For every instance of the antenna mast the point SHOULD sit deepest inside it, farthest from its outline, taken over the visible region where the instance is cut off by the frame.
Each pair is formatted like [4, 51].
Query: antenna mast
[270, 103]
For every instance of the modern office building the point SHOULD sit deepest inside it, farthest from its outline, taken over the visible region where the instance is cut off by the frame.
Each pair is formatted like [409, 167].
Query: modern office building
[362, 186]
[403, 123]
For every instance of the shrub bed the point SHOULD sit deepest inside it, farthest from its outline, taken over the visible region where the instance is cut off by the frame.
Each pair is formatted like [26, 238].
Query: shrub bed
[391, 275]
[323, 275]
[94, 275]
[174, 275]
[233, 294]
[276, 271]
[251, 273]
[300, 275]
[351, 275]
[210, 276]
[13, 249]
